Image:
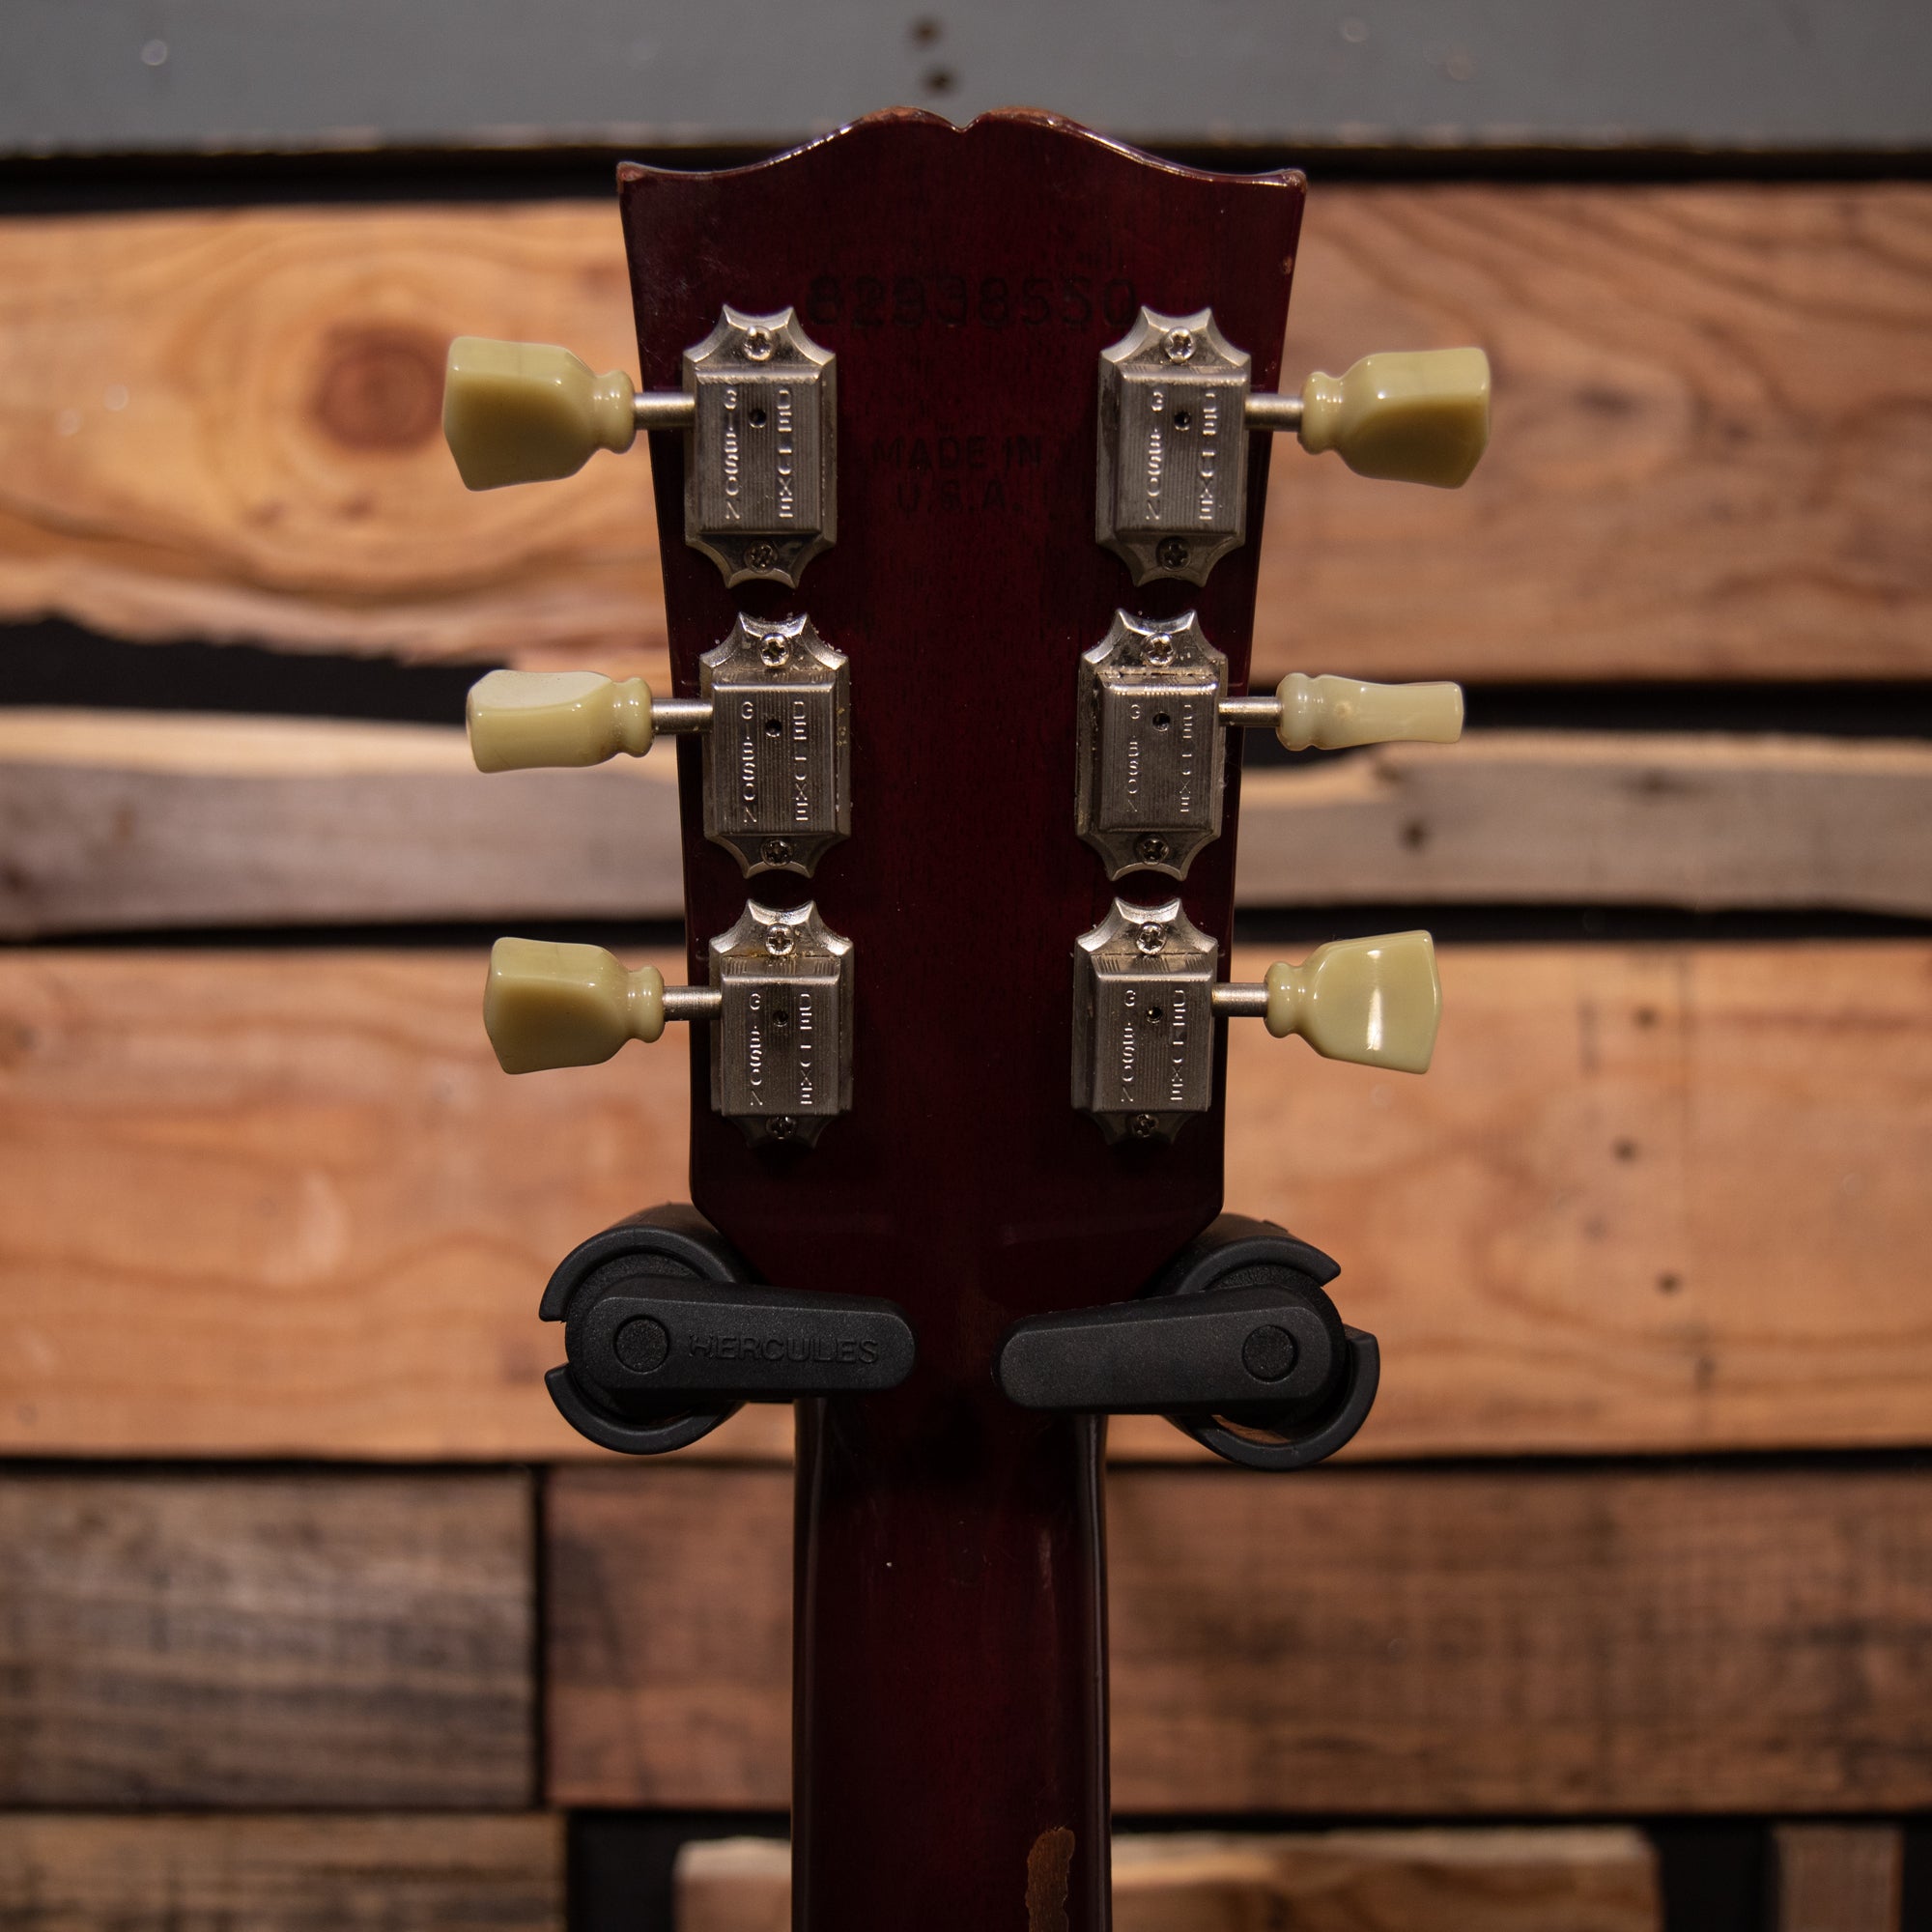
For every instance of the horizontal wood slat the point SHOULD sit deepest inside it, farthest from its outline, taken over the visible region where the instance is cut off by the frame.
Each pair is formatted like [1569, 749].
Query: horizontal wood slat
[1374, 1641]
[1708, 458]
[121, 822]
[117, 823]
[1551, 1879]
[1658, 1198]
[169, 1873]
[266, 1642]
[1818, 76]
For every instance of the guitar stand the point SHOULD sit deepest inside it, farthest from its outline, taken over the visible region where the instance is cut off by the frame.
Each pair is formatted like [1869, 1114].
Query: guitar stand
[1235, 1342]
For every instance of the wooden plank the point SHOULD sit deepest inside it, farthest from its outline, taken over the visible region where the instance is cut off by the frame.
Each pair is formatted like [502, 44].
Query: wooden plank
[120, 822]
[1705, 462]
[221, 75]
[1568, 817]
[1533, 1641]
[1549, 1879]
[321, 1873]
[1653, 1198]
[1840, 1878]
[116, 822]
[266, 1642]
[1544, 1879]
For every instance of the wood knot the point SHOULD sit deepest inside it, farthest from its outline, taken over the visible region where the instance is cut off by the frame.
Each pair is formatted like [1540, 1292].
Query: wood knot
[381, 387]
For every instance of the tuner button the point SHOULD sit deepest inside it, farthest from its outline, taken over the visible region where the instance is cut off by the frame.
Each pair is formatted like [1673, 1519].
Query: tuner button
[1376, 1002]
[526, 412]
[520, 718]
[553, 1004]
[1421, 417]
[1329, 713]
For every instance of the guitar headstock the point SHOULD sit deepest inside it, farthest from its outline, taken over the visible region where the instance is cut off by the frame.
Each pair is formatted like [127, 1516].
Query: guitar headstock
[958, 441]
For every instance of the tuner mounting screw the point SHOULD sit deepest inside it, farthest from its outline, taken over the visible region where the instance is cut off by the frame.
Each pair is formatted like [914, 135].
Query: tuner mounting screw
[1161, 651]
[1143, 1126]
[1148, 849]
[1151, 937]
[1179, 345]
[774, 650]
[1171, 552]
[777, 940]
[782, 1128]
[763, 556]
[777, 851]
[758, 345]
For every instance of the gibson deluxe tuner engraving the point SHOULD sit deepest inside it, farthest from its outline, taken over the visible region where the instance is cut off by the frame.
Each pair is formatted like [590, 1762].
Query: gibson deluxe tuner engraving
[779, 1004]
[1176, 412]
[777, 757]
[775, 711]
[1144, 997]
[1143, 1022]
[759, 409]
[1152, 759]
[781, 1052]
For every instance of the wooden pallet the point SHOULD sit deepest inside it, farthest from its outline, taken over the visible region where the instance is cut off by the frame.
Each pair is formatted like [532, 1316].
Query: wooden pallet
[1626, 1535]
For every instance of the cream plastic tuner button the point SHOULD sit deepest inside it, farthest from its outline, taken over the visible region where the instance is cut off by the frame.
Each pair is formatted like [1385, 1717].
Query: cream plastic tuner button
[528, 412]
[522, 719]
[553, 1005]
[1376, 1002]
[1330, 713]
[1414, 416]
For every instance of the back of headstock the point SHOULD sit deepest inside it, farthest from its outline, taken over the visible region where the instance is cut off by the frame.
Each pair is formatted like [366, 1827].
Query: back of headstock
[959, 507]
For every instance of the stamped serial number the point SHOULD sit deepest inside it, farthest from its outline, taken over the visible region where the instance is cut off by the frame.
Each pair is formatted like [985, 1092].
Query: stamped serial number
[958, 301]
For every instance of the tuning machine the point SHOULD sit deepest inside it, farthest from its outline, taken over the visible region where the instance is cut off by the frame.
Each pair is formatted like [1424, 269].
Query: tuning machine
[778, 1006]
[1176, 412]
[1146, 996]
[1151, 756]
[774, 707]
[759, 409]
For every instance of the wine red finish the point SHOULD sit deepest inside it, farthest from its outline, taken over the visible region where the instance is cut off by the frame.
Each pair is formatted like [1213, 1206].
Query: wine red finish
[950, 1635]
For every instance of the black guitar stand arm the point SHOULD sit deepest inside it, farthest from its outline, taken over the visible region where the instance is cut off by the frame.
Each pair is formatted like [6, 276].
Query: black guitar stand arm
[667, 1332]
[1235, 1342]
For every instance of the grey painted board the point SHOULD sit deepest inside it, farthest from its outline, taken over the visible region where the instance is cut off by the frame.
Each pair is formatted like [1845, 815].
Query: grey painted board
[111, 75]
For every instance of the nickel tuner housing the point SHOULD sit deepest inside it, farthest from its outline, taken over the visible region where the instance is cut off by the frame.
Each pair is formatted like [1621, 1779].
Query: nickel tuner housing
[1177, 408]
[758, 412]
[667, 1332]
[1235, 1342]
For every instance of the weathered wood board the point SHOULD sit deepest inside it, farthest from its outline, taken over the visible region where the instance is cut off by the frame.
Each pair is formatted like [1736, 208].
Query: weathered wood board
[166, 1872]
[1547, 1879]
[1583, 1640]
[1658, 1197]
[266, 1640]
[1838, 1878]
[118, 822]
[1707, 453]
[1817, 75]
[115, 822]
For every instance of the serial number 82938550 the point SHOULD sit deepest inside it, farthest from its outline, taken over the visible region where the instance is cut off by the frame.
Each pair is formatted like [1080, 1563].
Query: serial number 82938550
[954, 302]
